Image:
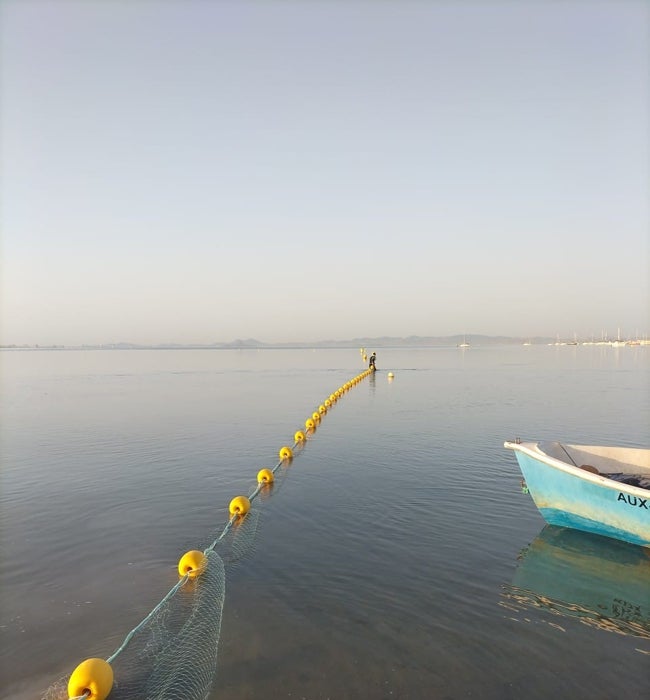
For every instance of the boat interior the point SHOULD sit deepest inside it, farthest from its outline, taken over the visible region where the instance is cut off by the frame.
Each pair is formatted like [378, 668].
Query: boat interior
[627, 465]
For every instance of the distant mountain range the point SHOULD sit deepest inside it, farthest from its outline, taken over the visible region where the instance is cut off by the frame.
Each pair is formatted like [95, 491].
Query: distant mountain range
[365, 342]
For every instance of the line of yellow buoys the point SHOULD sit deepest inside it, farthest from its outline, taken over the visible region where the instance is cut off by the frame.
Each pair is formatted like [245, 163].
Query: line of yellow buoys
[93, 678]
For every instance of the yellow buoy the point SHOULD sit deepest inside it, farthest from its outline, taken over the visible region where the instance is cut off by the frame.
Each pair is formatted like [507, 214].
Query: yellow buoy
[322, 410]
[310, 424]
[316, 416]
[240, 505]
[192, 564]
[327, 403]
[265, 476]
[299, 436]
[285, 453]
[390, 375]
[333, 398]
[92, 678]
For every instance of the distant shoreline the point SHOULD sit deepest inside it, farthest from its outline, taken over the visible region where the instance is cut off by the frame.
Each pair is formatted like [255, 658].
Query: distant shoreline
[382, 342]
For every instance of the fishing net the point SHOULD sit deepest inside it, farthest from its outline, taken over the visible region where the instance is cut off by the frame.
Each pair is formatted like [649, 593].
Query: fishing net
[172, 655]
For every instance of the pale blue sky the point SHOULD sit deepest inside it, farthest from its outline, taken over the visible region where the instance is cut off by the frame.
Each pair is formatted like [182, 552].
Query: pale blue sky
[198, 171]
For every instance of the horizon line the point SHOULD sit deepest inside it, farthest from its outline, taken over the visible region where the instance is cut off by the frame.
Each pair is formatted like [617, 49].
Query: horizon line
[253, 343]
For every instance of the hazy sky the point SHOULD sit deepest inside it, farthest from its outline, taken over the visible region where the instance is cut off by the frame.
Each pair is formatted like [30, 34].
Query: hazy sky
[199, 171]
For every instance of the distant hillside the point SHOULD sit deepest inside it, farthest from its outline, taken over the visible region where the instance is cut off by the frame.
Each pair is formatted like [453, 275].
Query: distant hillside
[428, 341]
[364, 342]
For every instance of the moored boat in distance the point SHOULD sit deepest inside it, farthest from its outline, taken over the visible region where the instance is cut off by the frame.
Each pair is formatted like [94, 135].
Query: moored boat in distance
[600, 489]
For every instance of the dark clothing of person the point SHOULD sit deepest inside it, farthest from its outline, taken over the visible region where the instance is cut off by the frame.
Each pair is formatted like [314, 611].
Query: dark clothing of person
[371, 363]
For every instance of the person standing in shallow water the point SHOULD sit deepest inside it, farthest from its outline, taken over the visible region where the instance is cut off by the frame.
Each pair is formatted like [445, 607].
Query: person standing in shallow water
[371, 362]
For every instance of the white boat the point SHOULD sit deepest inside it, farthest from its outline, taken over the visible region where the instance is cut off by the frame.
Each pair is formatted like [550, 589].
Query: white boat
[600, 489]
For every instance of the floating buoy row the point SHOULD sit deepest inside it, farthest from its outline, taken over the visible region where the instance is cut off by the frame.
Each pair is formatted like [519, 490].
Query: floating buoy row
[93, 678]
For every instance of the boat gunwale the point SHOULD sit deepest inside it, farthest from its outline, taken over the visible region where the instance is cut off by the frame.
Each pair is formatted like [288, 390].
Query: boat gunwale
[533, 450]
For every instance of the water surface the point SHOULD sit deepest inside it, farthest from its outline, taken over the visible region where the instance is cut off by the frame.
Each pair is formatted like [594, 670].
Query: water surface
[384, 560]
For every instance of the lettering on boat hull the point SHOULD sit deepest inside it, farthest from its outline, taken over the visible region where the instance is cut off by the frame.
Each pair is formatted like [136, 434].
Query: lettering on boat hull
[633, 500]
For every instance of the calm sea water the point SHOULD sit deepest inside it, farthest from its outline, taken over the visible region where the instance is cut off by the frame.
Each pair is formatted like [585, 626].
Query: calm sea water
[388, 562]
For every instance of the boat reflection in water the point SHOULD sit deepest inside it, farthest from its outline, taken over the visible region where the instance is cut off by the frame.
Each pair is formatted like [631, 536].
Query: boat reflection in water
[603, 582]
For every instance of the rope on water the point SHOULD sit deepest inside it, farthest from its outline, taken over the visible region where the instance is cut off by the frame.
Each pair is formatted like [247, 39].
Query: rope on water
[129, 636]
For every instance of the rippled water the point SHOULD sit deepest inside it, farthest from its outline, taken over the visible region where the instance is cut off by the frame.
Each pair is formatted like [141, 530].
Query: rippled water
[387, 562]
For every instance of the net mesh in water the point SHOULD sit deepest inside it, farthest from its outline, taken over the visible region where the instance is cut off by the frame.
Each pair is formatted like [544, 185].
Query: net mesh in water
[172, 654]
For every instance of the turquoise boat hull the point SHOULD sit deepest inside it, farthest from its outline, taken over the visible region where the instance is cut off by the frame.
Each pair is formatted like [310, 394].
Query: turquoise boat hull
[574, 486]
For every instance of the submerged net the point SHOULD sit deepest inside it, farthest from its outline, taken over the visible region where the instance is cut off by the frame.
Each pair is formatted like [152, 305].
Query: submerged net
[172, 653]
